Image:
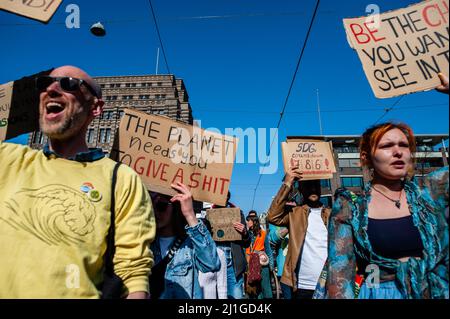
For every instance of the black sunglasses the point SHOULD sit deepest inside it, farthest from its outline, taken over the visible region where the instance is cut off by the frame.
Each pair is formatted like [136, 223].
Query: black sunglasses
[66, 83]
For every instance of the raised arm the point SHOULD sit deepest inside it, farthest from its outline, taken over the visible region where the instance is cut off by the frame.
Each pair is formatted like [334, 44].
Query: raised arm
[277, 215]
[205, 250]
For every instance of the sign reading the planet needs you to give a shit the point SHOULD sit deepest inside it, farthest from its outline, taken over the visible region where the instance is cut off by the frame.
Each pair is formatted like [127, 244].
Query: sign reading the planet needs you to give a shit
[164, 152]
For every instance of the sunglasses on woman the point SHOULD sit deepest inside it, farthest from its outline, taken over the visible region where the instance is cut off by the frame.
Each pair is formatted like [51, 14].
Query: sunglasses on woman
[66, 83]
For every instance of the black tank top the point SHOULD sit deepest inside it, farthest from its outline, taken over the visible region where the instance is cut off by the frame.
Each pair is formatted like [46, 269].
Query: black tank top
[395, 238]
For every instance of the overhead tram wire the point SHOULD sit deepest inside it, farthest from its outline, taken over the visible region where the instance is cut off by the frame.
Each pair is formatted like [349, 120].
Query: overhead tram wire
[159, 37]
[389, 109]
[289, 92]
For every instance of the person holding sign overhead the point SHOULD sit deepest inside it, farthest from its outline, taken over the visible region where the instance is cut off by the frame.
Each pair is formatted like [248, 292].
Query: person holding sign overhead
[307, 224]
[57, 205]
[182, 248]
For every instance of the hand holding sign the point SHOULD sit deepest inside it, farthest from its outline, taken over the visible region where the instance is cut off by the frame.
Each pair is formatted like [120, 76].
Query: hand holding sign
[444, 87]
[184, 197]
[240, 228]
[293, 174]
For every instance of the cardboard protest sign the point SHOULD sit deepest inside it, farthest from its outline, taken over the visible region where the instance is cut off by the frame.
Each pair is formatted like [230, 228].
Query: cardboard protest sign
[163, 152]
[402, 51]
[5, 105]
[314, 158]
[221, 221]
[41, 10]
[19, 107]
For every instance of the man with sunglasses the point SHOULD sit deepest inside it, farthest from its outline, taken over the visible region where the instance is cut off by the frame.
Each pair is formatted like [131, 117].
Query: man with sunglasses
[308, 235]
[56, 204]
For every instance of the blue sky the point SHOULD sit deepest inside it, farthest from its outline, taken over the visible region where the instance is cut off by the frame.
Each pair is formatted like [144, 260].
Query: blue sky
[237, 65]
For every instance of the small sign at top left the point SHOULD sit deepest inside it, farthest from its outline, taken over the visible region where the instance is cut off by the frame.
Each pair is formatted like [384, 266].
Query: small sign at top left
[41, 10]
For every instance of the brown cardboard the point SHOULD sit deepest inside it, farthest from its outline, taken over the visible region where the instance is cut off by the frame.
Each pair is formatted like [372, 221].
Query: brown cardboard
[399, 61]
[6, 91]
[149, 143]
[41, 10]
[315, 158]
[221, 221]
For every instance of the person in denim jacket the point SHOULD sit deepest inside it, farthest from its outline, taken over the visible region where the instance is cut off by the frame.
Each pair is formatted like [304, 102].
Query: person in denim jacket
[196, 251]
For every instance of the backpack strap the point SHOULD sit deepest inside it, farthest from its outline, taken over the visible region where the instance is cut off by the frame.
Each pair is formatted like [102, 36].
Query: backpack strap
[110, 241]
[175, 246]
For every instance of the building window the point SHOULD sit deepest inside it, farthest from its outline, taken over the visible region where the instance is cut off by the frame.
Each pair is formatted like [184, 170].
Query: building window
[121, 113]
[425, 148]
[349, 163]
[326, 201]
[424, 165]
[107, 115]
[105, 135]
[90, 136]
[101, 137]
[133, 85]
[159, 83]
[108, 135]
[347, 149]
[352, 182]
[325, 183]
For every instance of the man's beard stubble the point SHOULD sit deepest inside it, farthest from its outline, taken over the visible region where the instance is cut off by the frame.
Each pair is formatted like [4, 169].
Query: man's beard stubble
[57, 130]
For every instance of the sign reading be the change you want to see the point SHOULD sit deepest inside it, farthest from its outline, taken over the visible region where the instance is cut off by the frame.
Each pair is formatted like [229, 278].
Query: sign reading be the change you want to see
[402, 51]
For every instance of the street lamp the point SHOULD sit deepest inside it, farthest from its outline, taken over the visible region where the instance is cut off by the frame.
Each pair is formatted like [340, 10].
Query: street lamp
[98, 29]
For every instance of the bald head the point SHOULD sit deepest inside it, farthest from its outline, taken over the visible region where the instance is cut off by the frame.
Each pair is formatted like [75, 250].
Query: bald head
[75, 72]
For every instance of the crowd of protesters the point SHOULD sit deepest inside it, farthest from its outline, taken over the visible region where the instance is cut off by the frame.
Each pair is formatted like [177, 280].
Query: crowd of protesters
[74, 224]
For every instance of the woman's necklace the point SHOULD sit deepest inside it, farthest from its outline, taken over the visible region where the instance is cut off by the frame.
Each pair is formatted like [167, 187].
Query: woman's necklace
[397, 202]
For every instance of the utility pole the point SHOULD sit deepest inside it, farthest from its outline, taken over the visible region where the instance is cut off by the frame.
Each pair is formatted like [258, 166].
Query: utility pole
[318, 110]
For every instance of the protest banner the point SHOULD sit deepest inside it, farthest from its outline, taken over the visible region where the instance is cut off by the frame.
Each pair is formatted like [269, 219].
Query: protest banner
[221, 221]
[41, 10]
[19, 107]
[163, 152]
[314, 158]
[402, 51]
[5, 105]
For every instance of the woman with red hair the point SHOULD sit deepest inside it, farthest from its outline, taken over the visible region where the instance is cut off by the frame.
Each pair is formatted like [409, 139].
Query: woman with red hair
[392, 241]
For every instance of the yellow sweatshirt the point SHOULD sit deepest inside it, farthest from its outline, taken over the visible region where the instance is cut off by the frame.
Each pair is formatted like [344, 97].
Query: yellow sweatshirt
[54, 219]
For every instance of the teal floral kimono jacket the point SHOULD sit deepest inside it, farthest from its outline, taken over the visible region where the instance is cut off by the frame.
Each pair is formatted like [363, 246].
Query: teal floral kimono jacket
[349, 249]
